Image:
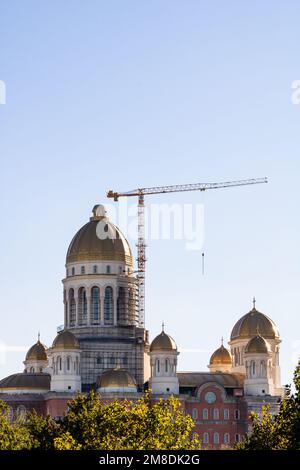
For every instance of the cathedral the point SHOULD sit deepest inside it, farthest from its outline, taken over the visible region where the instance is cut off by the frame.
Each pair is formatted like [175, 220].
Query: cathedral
[103, 347]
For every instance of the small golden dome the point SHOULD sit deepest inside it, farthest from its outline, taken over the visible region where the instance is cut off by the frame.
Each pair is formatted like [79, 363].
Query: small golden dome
[26, 381]
[163, 342]
[247, 326]
[116, 378]
[88, 244]
[257, 344]
[220, 356]
[37, 352]
[65, 340]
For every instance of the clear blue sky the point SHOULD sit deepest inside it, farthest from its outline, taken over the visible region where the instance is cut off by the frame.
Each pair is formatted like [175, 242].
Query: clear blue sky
[120, 94]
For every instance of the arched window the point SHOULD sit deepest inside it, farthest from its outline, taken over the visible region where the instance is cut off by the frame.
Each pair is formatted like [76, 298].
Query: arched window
[253, 368]
[72, 308]
[226, 438]
[167, 365]
[68, 363]
[82, 306]
[157, 365]
[32, 370]
[226, 413]
[59, 362]
[107, 269]
[121, 314]
[82, 270]
[216, 438]
[132, 306]
[205, 438]
[216, 413]
[194, 413]
[237, 414]
[21, 411]
[95, 305]
[108, 306]
[205, 413]
[95, 269]
[73, 271]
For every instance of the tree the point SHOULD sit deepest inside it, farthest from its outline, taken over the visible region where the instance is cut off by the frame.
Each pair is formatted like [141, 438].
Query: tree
[279, 432]
[43, 430]
[13, 436]
[91, 423]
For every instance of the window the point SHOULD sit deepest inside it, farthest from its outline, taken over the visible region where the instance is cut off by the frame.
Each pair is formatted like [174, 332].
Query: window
[226, 414]
[237, 414]
[216, 438]
[205, 413]
[82, 306]
[237, 438]
[72, 308]
[226, 438]
[59, 363]
[167, 365]
[99, 360]
[253, 368]
[157, 365]
[68, 363]
[216, 413]
[21, 411]
[95, 269]
[125, 361]
[73, 271]
[95, 305]
[82, 270]
[108, 306]
[32, 370]
[120, 270]
[121, 315]
[194, 413]
[107, 269]
[205, 438]
[67, 272]
[112, 361]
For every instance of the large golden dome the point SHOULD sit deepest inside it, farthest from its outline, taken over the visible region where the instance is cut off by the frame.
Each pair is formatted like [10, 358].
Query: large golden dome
[220, 356]
[37, 352]
[254, 321]
[163, 342]
[257, 344]
[65, 340]
[116, 378]
[89, 245]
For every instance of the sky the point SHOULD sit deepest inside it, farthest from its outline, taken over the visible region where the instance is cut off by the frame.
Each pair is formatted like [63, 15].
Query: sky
[123, 94]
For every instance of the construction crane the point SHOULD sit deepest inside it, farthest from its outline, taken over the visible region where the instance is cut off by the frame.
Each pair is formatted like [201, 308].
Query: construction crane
[141, 246]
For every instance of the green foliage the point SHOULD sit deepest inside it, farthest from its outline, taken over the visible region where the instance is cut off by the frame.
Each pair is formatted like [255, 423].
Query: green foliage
[123, 425]
[13, 436]
[281, 432]
[92, 423]
[43, 431]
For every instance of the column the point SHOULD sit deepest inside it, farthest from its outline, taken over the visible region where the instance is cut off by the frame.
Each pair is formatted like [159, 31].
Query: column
[101, 307]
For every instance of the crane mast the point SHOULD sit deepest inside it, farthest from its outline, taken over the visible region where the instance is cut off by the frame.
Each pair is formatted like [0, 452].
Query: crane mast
[141, 246]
